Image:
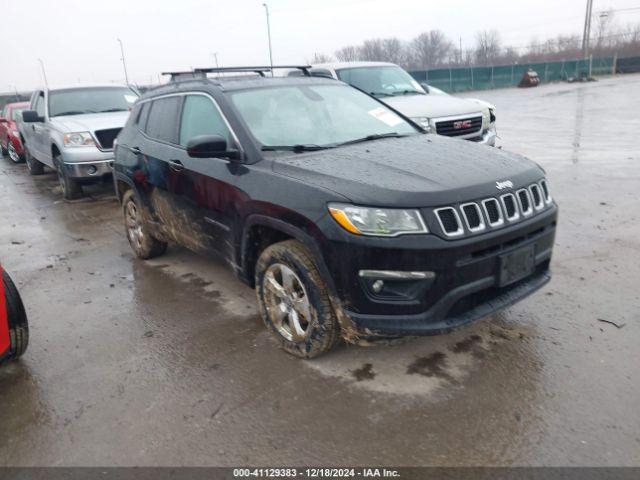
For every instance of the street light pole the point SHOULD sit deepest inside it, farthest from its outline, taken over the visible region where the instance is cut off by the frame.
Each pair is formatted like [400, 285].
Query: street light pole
[44, 73]
[266, 8]
[215, 57]
[124, 64]
[586, 33]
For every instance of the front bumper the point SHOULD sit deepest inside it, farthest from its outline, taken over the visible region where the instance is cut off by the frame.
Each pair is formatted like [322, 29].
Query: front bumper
[487, 138]
[87, 163]
[466, 284]
[89, 170]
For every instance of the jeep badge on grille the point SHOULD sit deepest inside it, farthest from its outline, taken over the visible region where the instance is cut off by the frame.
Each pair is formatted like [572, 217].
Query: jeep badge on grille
[505, 184]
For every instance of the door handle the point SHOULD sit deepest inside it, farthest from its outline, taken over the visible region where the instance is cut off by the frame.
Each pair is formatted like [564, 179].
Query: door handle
[135, 151]
[176, 165]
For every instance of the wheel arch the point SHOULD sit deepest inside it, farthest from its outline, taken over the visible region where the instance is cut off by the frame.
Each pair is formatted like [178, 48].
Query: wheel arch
[261, 231]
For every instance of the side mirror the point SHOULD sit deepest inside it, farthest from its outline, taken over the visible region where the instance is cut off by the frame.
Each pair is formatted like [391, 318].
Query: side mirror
[31, 116]
[210, 146]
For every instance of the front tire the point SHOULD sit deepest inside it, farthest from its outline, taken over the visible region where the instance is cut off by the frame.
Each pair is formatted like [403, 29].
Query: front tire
[294, 300]
[18, 326]
[33, 165]
[71, 188]
[143, 244]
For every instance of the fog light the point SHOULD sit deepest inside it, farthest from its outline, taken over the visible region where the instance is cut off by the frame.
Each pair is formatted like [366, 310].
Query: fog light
[91, 169]
[377, 286]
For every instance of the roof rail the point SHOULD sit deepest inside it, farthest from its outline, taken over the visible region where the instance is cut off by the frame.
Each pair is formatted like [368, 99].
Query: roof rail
[260, 70]
[190, 75]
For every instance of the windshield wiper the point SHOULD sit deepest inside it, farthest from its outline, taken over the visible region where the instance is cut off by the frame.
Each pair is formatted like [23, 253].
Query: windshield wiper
[113, 110]
[408, 92]
[309, 147]
[375, 136]
[73, 112]
[381, 94]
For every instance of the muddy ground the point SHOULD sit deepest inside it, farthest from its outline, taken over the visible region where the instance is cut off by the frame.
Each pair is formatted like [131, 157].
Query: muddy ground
[166, 362]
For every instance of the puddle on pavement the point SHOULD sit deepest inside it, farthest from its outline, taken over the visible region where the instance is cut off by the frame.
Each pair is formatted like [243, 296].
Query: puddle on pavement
[423, 366]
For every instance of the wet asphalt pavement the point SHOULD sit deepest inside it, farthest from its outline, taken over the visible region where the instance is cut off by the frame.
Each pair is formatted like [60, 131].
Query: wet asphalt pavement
[166, 362]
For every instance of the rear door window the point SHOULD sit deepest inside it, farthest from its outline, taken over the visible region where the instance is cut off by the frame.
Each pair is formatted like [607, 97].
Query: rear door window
[163, 119]
[201, 117]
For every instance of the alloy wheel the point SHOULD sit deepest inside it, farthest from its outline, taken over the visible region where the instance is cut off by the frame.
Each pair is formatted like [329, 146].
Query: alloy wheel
[287, 302]
[134, 225]
[13, 155]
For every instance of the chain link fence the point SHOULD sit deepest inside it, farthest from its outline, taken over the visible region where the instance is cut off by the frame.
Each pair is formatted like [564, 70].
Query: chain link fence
[501, 76]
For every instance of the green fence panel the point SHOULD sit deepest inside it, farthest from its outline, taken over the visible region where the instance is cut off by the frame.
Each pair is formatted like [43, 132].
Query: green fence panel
[500, 76]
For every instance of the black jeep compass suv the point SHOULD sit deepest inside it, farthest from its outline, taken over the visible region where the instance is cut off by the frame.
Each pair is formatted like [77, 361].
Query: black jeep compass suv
[346, 217]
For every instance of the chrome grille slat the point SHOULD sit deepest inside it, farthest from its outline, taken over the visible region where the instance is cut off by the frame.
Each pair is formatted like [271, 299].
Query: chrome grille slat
[524, 201]
[496, 206]
[440, 212]
[474, 224]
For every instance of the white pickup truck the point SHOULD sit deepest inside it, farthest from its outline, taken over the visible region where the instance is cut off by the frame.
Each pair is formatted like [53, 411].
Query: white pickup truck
[72, 131]
[431, 108]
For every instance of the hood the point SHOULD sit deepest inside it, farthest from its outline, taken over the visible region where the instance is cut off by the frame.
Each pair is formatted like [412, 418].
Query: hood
[90, 122]
[418, 171]
[432, 106]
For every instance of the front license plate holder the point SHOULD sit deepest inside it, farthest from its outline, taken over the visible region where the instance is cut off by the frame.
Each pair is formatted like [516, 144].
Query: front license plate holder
[516, 265]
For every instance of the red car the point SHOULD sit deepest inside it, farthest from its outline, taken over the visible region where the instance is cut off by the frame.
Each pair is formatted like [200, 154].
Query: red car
[14, 330]
[9, 137]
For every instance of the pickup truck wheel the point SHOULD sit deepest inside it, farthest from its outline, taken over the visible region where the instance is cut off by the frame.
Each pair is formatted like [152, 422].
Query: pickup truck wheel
[33, 165]
[18, 326]
[143, 244]
[71, 189]
[294, 301]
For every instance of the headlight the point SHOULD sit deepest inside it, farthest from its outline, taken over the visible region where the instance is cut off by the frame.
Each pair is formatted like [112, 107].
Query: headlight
[423, 122]
[485, 119]
[78, 139]
[15, 133]
[492, 115]
[381, 222]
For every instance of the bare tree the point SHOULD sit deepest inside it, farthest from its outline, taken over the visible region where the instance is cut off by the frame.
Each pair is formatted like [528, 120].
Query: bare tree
[430, 49]
[347, 54]
[320, 58]
[488, 46]
[394, 51]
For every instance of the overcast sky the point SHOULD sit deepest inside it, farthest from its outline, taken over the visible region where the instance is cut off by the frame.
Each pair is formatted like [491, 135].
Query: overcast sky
[77, 38]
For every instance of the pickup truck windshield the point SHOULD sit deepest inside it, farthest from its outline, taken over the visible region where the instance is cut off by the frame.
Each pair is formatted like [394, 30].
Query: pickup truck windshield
[316, 116]
[380, 81]
[77, 101]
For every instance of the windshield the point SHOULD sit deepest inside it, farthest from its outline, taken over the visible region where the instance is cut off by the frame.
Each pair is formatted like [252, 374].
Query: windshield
[16, 114]
[315, 115]
[381, 81]
[91, 100]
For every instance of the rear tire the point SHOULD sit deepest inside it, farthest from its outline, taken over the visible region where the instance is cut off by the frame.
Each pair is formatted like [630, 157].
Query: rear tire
[33, 165]
[71, 188]
[294, 300]
[18, 326]
[143, 244]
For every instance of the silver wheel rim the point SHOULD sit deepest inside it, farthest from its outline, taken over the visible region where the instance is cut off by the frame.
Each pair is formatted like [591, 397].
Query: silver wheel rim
[287, 302]
[13, 155]
[134, 226]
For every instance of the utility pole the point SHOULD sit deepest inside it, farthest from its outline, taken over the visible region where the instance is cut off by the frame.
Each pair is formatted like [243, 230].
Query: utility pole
[124, 64]
[44, 73]
[266, 8]
[586, 34]
[460, 50]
